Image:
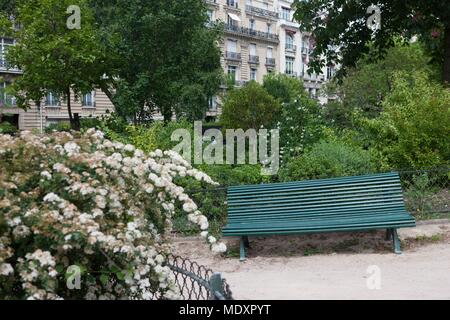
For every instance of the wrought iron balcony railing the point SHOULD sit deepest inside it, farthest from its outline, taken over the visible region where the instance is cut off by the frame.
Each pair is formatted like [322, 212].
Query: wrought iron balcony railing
[253, 59]
[230, 55]
[291, 47]
[261, 12]
[270, 61]
[252, 33]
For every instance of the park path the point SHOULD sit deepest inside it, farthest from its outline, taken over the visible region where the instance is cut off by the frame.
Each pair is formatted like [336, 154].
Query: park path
[273, 271]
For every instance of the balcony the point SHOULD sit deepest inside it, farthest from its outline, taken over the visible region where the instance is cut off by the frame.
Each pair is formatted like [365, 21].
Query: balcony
[234, 56]
[232, 4]
[253, 59]
[270, 62]
[261, 12]
[251, 33]
[6, 68]
[291, 47]
[240, 83]
[291, 74]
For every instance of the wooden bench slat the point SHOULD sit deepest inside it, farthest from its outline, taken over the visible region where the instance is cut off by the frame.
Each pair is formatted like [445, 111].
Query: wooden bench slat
[329, 205]
[312, 215]
[317, 183]
[309, 190]
[316, 198]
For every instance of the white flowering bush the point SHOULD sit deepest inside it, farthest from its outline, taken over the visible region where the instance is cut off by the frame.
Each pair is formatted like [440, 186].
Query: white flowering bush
[72, 199]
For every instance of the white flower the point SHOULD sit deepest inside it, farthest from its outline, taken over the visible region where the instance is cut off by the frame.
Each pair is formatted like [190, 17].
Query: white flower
[46, 175]
[6, 269]
[212, 240]
[52, 198]
[71, 148]
[219, 247]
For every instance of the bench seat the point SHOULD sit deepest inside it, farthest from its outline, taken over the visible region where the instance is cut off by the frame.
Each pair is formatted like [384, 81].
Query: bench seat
[329, 205]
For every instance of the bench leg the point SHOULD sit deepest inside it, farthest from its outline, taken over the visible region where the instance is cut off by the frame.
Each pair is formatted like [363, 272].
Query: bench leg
[242, 249]
[388, 234]
[246, 242]
[396, 241]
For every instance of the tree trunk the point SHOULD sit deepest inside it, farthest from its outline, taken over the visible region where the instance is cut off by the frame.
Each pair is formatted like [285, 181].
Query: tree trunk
[446, 65]
[167, 114]
[69, 109]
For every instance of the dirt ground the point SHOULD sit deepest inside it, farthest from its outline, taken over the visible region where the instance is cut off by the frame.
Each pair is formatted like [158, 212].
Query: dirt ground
[335, 266]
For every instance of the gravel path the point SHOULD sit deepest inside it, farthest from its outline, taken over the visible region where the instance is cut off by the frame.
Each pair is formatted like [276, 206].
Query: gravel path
[277, 267]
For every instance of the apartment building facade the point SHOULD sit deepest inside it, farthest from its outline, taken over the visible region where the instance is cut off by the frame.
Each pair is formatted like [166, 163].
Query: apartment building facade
[250, 42]
[53, 109]
[261, 37]
[295, 51]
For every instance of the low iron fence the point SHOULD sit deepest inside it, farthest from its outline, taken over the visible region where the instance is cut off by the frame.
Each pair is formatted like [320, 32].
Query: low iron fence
[196, 282]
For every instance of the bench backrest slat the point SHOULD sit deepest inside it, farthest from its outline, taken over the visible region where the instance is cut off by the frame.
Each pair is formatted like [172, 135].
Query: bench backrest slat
[358, 194]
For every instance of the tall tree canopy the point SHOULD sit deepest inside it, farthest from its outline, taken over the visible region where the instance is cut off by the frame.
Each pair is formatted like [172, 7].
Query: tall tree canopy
[53, 57]
[342, 24]
[166, 58]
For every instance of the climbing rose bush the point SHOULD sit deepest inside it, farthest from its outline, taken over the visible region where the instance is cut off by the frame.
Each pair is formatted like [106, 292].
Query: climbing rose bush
[72, 199]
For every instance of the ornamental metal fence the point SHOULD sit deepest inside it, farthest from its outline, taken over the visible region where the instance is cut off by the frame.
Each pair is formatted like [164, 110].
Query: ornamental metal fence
[195, 281]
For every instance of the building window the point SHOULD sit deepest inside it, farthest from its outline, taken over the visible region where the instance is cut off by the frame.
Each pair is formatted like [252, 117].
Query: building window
[232, 3]
[4, 46]
[210, 16]
[6, 99]
[289, 41]
[253, 74]
[52, 100]
[212, 104]
[286, 14]
[251, 24]
[232, 73]
[269, 28]
[289, 65]
[330, 72]
[87, 100]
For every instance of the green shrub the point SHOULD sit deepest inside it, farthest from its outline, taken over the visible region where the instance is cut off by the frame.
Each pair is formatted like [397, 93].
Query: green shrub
[327, 160]
[413, 129]
[250, 107]
[300, 126]
[59, 126]
[283, 87]
[157, 135]
[7, 128]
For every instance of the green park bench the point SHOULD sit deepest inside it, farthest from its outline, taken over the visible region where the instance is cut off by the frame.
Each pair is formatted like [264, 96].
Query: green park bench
[359, 203]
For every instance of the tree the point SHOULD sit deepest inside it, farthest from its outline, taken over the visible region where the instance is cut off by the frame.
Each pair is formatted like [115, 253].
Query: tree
[53, 57]
[249, 107]
[342, 36]
[167, 59]
[283, 87]
[413, 128]
[368, 83]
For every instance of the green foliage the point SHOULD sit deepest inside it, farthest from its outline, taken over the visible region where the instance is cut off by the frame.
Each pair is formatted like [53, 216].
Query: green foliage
[157, 135]
[413, 128]
[327, 160]
[176, 78]
[366, 86]
[53, 57]
[60, 127]
[213, 202]
[344, 27]
[283, 87]
[7, 128]
[249, 107]
[112, 125]
[300, 125]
